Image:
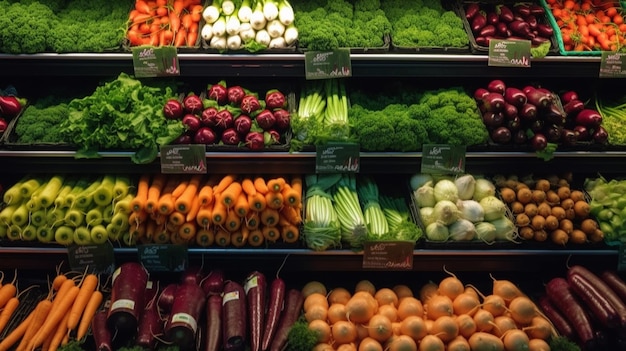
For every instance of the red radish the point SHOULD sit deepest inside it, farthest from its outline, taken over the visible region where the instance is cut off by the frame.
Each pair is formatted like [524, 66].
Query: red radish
[600, 135]
[150, 325]
[208, 117]
[471, 10]
[127, 298]
[283, 119]
[271, 137]
[183, 139]
[560, 323]
[243, 124]
[224, 119]
[101, 333]
[192, 275]
[235, 95]
[218, 92]
[568, 96]
[612, 279]
[255, 141]
[275, 99]
[275, 305]
[496, 86]
[173, 109]
[562, 296]
[255, 287]
[191, 122]
[515, 97]
[250, 103]
[213, 337]
[182, 324]
[166, 297]
[193, 104]
[588, 118]
[505, 13]
[10, 106]
[213, 283]
[234, 317]
[205, 135]
[265, 119]
[230, 137]
[293, 307]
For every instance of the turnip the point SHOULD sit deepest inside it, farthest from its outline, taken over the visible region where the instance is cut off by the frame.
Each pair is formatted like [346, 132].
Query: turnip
[255, 141]
[275, 29]
[265, 119]
[192, 103]
[230, 137]
[218, 42]
[263, 37]
[218, 92]
[285, 13]
[233, 42]
[205, 135]
[245, 12]
[173, 109]
[182, 324]
[283, 119]
[257, 19]
[208, 117]
[243, 124]
[192, 122]
[127, 298]
[235, 94]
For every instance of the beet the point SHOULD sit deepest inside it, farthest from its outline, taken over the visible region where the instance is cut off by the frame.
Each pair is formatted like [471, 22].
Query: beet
[509, 111]
[127, 298]
[493, 102]
[183, 139]
[520, 28]
[255, 141]
[235, 95]
[10, 106]
[230, 137]
[205, 135]
[569, 96]
[250, 103]
[480, 93]
[243, 124]
[569, 137]
[496, 86]
[539, 98]
[545, 30]
[522, 9]
[573, 107]
[520, 137]
[600, 135]
[166, 297]
[538, 142]
[583, 133]
[182, 324]
[504, 13]
[265, 119]
[275, 99]
[528, 112]
[283, 119]
[218, 92]
[208, 117]
[589, 118]
[471, 10]
[553, 133]
[478, 22]
[193, 104]
[493, 119]
[3, 125]
[488, 30]
[192, 122]
[213, 283]
[501, 135]
[173, 109]
[513, 124]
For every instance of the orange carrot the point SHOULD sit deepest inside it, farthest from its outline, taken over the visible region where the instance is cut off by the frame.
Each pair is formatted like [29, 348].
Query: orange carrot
[184, 200]
[142, 7]
[219, 213]
[7, 291]
[205, 195]
[229, 196]
[257, 202]
[138, 203]
[54, 318]
[87, 288]
[16, 334]
[7, 312]
[193, 211]
[276, 184]
[150, 229]
[260, 185]
[248, 186]
[274, 200]
[136, 218]
[270, 233]
[42, 309]
[242, 207]
[289, 233]
[269, 217]
[58, 336]
[253, 220]
[224, 183]
[205, 237]
[291, 214]
[88, 313]
[58, 281]
[222, 237]
[256, 238]
[292, 193]
[174, 22]
[176, 218]
[154, 192]
[237, 239]
[204, 218]
[233, 221]
[187, 231]
[180, 189]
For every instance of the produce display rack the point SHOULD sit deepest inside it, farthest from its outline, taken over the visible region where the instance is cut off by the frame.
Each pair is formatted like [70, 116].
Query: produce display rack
[450, 69]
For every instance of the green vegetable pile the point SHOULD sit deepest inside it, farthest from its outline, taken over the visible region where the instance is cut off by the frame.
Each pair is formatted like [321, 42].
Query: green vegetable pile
[607, 206]
[122, 114]
[330, 24]
[34, 26]
[613, 111]
[390, 123]
[424, 23]
[39, 124]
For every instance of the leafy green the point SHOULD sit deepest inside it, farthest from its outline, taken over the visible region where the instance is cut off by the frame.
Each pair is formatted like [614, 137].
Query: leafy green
[561, 343]
[300, 337]
[126, 114]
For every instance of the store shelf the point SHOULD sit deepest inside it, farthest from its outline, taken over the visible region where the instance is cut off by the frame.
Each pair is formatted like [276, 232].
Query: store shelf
[292, 65]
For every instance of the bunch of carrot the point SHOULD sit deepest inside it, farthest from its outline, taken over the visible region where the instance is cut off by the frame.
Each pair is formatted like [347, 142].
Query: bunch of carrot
[164, 22]
[590, 25]
[66, 312]
[222, 210]
[9, 301]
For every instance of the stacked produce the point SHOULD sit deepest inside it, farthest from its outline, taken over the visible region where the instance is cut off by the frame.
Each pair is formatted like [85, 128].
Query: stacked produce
[424, 24]
[322, 114]
[537, 116]
[224, 210]
[607, 206]
[403, 119]
[588, 307]
[589, 26]
[548, 208]
[352, 209]
[67, 209]
[612, 108]
[62, 316]
[464, 208]
[62, 26]
[232, 115]
[163, 22]
[330, 24]
[442, 316]
[522, 21]
[10, 107]
[250, 24]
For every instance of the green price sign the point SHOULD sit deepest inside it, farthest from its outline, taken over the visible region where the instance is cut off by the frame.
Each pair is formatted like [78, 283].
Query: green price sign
[613, 65]
[96, 258]
[327, 64]
[509, 53]
[150, 61]
[388, 255]
[442, 158]
[183, 159]
[338, 158]
[163, 258]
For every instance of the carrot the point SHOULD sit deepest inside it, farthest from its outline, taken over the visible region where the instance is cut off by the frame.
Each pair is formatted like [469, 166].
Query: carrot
[186, 21]
[205, 195]
[270, 233]
[138, 203]
[256, 238]
[276, 185]
[176, 218]
[136, 218]
[242, 207]
[42, 310]
[187, 231]
[233, 221]
[205, 237]
[222, 237]
[174, 22]
[224, 183]
[219, 213]
[229, 196]
[55, 317]
[261, 186]
[253, 220]
[185, 199]
[88, 313]
[143, 7]
[293, 192]
[178, 7]
[269, 217]
[7, 312]
[179, 189]
[193, 211]
[59, 335]
[14, 336]
[154, 192]
[237, 238]
[257, 201]
[204, 218]
[87, 288]
[291, 214]
[247, 185]
[274, 200]
[289, 233]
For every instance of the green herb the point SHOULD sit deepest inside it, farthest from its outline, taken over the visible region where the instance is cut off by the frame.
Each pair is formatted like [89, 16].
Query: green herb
[561, 343]
[300, 337]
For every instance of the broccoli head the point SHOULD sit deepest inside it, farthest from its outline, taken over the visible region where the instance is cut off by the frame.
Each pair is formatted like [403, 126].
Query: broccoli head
[24, 28]
[449, 126]
[41, 125]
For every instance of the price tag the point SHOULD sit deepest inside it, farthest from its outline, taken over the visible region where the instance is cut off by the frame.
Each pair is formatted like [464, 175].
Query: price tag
[96, 258]
[442, 158]
[509, 53]
[163, 258]
[621, 258]
[388, 255]
[338, 158]
[150, 61]
[613, 65]
[186, 159]
[327, 64]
